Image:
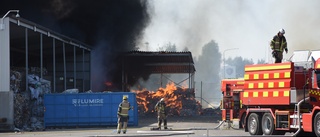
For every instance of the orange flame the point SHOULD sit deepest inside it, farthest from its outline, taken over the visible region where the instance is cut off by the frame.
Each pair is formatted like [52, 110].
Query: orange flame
[173, 98]
[108, 83]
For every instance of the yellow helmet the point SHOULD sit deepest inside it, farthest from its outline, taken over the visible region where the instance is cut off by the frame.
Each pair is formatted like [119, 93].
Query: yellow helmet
[125, 98]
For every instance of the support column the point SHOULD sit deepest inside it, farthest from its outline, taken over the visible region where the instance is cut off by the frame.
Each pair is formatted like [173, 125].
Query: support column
[5, 57]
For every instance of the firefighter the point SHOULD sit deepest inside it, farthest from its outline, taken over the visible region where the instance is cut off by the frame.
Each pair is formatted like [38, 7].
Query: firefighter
[278, 44]
[162, 113]
[123, 116]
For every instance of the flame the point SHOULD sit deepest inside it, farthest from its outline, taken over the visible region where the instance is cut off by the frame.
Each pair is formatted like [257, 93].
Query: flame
[108, 83]
[173, 99]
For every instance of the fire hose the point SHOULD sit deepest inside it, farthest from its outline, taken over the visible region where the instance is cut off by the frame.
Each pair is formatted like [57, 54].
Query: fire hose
[229, 122]
[220, 124]
[217, 127]
[204, 128]
[201, 128]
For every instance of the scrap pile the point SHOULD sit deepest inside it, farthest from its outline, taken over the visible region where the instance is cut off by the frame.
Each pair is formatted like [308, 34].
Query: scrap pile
[28, 104]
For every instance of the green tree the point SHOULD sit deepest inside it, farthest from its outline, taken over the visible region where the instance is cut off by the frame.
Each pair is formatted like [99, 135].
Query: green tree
[239, 63]
[207, 74]
[207, 62]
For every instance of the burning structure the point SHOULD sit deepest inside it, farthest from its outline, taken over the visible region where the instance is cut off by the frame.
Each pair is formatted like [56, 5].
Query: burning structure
[140, 64]
[179, 99]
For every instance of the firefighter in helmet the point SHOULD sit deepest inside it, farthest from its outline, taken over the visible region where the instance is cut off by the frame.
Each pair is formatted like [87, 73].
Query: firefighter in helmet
[123, 116]
[278, 44]
[162, 113]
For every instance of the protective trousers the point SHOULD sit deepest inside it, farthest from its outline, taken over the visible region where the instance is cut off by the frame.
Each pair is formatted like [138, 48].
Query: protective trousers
[278, 57]
[122, 124]
[162, 117]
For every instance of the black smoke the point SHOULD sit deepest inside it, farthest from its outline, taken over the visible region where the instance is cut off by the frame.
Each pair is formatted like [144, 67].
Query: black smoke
[110, 26]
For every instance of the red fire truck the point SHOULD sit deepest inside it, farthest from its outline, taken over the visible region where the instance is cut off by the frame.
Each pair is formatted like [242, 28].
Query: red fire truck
[273, 99]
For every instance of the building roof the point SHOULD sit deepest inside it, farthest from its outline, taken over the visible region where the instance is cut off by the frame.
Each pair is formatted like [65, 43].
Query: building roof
[159, 62]
[37, 29]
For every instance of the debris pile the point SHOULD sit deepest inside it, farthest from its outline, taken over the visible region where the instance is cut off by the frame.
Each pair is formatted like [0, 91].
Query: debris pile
[179, 101]
[16, 80]
[21, 109]
[28, 103]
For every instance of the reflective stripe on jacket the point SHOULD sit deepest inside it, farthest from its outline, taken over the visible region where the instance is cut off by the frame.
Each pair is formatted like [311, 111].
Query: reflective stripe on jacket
[124, 107]
[278, 44]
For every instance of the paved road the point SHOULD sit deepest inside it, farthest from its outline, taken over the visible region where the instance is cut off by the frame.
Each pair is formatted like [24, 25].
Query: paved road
[181, 127]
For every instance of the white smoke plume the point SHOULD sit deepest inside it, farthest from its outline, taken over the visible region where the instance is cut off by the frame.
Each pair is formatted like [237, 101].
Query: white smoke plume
[245, 24]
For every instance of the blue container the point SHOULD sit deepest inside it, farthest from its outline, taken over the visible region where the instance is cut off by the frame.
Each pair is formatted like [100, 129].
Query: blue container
[87, 109]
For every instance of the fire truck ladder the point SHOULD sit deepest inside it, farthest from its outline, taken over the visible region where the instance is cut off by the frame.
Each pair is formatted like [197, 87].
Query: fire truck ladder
[228, 115]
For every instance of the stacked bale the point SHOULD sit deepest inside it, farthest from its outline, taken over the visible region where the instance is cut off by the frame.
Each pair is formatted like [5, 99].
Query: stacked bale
[28, 103]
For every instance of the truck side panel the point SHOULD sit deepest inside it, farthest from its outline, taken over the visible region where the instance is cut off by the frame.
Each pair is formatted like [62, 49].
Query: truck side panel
[266, 97]
[267, 84]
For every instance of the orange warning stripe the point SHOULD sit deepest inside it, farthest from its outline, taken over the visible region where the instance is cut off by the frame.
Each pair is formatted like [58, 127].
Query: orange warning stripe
[267, 84]
[267, 75]
[240, 82]
[268, 67]
[267, 93]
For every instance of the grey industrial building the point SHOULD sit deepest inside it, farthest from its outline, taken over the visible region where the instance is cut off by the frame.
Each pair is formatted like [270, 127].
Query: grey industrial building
[33, 49]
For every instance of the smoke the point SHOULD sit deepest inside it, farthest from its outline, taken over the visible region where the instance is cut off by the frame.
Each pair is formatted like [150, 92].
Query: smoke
[245, 24]
[115, 26]
[110, 26]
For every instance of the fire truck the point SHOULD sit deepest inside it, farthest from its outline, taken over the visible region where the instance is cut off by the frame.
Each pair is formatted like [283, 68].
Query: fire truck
[273, 99]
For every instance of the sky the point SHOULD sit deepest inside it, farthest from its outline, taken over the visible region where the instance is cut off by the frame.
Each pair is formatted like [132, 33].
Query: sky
[247, 25]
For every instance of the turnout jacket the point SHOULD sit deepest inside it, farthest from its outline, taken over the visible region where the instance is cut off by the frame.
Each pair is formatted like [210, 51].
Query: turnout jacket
[278, 43]
[123, 108]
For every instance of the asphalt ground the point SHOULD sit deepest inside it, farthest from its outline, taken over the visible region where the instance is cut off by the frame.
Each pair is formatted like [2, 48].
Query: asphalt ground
[196, 126]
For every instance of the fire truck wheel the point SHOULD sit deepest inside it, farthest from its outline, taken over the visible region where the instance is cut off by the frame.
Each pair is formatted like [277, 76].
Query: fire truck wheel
[316, 124]
[267, 124]
[254, 126]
